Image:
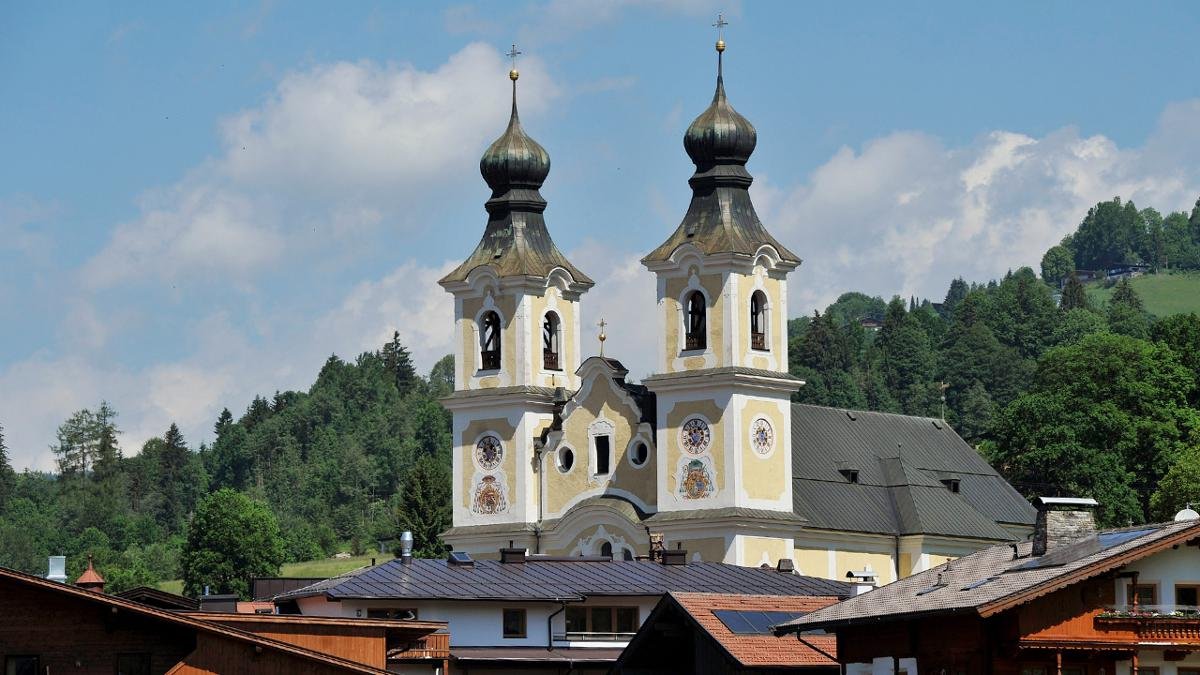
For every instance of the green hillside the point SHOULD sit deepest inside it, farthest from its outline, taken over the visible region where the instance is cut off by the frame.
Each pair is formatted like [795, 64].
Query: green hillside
[324, 568]
[1163, 294]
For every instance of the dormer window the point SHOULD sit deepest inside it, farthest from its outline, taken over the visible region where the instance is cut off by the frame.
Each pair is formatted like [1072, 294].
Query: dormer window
[758, 321]
[696, 336]
[951, 484]
[489, 341]
[851, 475]
[551, 342]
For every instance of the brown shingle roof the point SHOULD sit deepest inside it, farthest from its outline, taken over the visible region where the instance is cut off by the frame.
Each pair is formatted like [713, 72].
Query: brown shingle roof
[992, 580]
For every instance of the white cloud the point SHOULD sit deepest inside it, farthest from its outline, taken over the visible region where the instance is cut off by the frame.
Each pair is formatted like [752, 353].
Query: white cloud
[330, 148]
[906, 214]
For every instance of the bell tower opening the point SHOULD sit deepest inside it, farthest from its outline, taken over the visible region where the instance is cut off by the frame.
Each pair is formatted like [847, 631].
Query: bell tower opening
[758, 321]
[696, 336]
[489, 341]
[551, 341]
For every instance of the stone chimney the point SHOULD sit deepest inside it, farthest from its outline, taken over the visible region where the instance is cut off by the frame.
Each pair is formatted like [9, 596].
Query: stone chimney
[1061, 521]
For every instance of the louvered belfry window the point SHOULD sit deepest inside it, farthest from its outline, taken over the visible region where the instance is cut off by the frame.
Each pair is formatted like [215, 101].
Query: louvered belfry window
[489, 341]
[697, 322]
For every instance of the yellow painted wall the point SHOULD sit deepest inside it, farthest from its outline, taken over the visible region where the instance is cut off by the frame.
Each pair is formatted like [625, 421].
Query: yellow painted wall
[813, 562]
[764, 478]
[711, 549]
[906, 564]
[506, 433]
[754, 547]
[675, 452]
[602, 401]
[468, 355]
[880, 563]
[936, 559]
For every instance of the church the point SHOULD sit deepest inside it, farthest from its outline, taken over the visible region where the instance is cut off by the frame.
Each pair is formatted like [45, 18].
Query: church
[560, 454]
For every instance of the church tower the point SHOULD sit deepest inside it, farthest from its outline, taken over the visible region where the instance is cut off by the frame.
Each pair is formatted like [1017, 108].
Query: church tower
[722, 387]
[516, 313]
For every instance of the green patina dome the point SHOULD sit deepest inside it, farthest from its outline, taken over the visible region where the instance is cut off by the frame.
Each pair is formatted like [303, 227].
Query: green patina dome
[720, 135]
[514, 161]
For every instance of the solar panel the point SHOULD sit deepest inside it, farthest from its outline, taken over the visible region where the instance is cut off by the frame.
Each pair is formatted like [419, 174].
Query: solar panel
[1082, 549]
[743, 622]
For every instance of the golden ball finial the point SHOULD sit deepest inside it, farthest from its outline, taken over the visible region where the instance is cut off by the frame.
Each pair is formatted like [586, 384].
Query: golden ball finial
[720, 45]
[513, 74]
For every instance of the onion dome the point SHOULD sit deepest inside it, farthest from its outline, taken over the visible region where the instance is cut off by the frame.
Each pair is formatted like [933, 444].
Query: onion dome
[720, 135]
[514, 160]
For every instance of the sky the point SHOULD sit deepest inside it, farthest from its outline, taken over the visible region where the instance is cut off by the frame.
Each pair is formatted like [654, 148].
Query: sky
[200, 202]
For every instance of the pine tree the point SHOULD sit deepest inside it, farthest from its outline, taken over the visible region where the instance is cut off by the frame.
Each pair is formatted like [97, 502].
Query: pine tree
[7, 477]
[955, 295]
[398, 362]
[104, 437]
[224, 421]
[1126, 314]
[1074, 295]
[172, 479]
[424, 507]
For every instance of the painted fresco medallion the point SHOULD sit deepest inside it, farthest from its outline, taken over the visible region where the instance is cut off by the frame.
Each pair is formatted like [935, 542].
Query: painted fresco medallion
[488, 452]
[762, 436]
[695, 436]
[696, 482]
[489, 497]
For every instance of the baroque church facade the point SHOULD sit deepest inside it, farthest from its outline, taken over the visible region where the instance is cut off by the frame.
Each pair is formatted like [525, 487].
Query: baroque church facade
[561, 455]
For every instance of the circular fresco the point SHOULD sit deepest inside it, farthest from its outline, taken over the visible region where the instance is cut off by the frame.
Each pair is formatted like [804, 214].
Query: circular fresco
[762, 436]
[695, 436]
[488, 452]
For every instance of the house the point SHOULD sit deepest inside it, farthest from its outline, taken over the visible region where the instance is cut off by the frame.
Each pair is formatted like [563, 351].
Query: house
[727, 633]
[48, 626]
[1073, 601]
[557, 452]
[538, 612]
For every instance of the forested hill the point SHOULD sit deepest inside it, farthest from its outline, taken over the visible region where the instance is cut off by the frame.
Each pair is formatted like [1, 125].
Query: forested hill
[363, 453]
[1072, 398]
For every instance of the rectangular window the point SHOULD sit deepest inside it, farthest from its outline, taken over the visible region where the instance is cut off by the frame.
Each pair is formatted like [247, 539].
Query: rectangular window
[21, 665]
[133, 664]
[514, 623]
[1147, 594]
[602, 623]
[1187, 596]
[392, 614]
[603, 453]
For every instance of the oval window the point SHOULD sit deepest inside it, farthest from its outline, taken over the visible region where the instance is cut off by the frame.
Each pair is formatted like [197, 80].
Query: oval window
[639, 454]
[566, 459]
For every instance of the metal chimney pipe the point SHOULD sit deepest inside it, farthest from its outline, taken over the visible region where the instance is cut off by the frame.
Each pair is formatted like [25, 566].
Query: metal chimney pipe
[406, 547]
[57, 569]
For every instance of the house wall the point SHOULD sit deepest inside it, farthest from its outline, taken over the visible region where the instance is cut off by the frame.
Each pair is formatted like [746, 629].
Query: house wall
[1165, 570]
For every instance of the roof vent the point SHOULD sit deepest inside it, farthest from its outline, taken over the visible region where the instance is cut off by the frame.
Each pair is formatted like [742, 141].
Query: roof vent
[512, 555]
[58, 569]
[674, 556]
[850, 414]
[460, 559]
[786, 566]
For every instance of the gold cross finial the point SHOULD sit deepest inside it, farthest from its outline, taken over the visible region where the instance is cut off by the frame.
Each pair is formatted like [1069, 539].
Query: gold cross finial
[603, 337]
[513, 54]
[720, 26]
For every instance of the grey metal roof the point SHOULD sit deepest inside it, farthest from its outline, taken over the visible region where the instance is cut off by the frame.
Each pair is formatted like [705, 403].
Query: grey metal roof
[901, 462]
[724, 370]
[541, 392]
[536, 580]
[992, 576]
[724, 512]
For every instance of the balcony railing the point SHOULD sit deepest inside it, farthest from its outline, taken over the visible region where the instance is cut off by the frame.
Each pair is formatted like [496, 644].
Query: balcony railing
[432, 646]
[1159, 623]
[758, 341]
[550, 360]
[490, 359]
[693, 341]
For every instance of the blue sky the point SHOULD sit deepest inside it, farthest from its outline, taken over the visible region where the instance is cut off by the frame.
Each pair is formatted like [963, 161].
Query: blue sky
[199, 202]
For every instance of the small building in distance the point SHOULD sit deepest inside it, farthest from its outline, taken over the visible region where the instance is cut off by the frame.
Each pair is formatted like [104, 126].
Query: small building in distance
[539, 613]
[727, 633]
[1073, 601]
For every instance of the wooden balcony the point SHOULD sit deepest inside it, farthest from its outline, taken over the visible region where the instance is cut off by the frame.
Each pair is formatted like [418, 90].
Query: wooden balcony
[434, 646]
[1172, 624]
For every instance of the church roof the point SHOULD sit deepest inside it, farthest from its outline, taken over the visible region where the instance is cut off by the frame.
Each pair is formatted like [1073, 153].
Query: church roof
[721, 218]
[898, 463]
[516, 241]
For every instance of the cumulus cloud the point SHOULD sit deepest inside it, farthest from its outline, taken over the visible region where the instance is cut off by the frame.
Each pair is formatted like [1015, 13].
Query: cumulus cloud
[330, 148]
[906, 213]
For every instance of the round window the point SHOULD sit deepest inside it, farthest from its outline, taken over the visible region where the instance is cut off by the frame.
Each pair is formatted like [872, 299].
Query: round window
[639, 454]
[566, 459]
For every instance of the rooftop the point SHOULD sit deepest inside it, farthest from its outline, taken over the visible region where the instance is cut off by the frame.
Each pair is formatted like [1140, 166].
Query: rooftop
[560, 580]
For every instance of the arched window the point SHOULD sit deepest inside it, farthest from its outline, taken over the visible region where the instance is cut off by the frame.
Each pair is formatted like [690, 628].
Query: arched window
[697, 328]
[550, 342]
[758, 321]
[489, 341]
[606, 549]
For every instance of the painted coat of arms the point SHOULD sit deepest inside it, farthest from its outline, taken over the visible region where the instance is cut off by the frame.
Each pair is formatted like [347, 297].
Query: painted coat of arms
[696, 481]
[489, 497]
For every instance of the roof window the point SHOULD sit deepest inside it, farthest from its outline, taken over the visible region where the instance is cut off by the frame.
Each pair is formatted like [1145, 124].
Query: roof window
[851, 475]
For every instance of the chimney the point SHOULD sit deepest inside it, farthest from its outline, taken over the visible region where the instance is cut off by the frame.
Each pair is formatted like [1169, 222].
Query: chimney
[58, 569]
[786, 566]
[863, 580]
[1061, 521]
[656, 545]
[512, 555]
[674, 556]
[406, 544]
[90, 580]
[226, 604]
